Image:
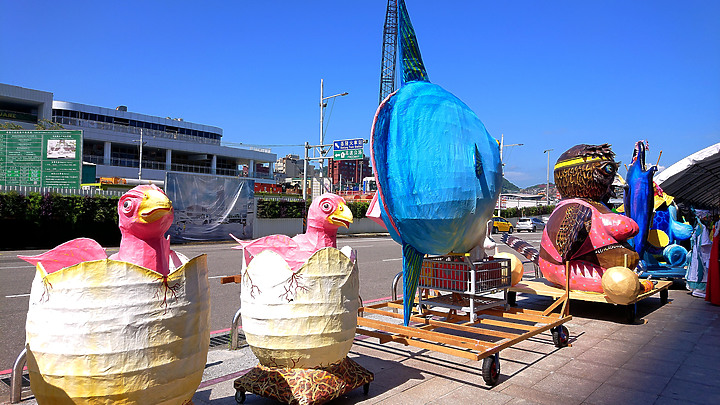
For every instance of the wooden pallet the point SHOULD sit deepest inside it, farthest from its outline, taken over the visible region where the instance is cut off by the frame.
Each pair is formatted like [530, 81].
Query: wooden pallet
[541, 286]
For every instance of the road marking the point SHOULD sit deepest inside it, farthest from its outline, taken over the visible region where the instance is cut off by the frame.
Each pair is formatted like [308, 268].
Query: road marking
[17, 296]
[17, 267]
[392, 260]
[364, 246]
[211, 277]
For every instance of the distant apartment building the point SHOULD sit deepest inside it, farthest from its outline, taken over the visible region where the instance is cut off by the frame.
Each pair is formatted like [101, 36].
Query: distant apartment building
[291, 167]
[350, 172]
[113, 139]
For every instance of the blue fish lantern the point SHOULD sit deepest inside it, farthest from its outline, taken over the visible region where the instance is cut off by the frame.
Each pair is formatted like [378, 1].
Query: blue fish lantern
[638, 199]
[438, 170]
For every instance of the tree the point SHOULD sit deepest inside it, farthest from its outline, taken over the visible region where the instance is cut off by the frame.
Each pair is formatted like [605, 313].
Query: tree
[45, 124]
[10, 125]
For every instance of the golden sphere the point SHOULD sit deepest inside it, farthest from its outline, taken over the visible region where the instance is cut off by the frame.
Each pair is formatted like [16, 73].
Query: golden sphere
[516, 267]
[621, 285]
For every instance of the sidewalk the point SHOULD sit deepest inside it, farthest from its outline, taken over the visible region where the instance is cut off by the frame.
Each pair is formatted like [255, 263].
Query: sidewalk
[671, 355]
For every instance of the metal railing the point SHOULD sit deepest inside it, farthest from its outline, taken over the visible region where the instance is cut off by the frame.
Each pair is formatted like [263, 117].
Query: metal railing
[25, 190]
[133, 130]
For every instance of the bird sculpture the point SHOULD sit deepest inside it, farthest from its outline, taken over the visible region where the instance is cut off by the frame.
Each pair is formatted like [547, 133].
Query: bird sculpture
[144, 213]
[638, 198]
[114, 313]
[327, 213]
[582, 230]
[437, 168]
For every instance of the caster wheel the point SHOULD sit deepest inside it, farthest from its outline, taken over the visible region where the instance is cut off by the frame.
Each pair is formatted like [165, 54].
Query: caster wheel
[663, 297]
[512, 298]
[491, 369]
[561, 336]
[240, 396]
[366, 388]
[631, 313]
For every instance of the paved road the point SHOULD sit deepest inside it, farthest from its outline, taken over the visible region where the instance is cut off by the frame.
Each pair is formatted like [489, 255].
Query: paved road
[379, 261]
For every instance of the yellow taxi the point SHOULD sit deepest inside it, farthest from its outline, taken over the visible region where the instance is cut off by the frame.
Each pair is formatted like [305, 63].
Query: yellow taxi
[501, 224]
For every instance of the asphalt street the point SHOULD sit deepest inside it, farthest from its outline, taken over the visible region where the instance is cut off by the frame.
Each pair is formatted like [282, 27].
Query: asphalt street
[379, 260]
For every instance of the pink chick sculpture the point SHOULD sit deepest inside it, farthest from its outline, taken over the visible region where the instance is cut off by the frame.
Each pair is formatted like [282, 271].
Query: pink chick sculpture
[327, 213]
[144, 215]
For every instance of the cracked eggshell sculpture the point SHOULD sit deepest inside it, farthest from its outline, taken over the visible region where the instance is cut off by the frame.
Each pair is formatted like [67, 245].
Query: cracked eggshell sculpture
[302, 319]
[131, 330]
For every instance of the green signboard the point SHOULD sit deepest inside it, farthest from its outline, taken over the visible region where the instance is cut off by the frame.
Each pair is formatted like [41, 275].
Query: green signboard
[351, 154]
[40, 158]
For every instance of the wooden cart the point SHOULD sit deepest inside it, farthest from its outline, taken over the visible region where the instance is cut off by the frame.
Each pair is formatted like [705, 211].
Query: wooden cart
[479, 333]
[541, 286]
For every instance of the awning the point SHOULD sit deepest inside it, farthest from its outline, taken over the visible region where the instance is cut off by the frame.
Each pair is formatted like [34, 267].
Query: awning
[694, 179]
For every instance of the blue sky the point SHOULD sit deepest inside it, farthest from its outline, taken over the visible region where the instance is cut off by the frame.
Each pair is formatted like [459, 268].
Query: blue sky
[547, 74]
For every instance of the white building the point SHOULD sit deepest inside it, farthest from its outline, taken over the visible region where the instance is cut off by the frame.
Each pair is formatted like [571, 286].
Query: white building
[112, 138]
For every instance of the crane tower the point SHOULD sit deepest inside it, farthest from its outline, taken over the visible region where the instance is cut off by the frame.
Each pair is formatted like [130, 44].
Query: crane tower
[389, 50]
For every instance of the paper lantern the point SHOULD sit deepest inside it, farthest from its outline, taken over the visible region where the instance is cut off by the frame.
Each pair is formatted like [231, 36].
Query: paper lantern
[107, 331]
[303, 319]
[621, 285]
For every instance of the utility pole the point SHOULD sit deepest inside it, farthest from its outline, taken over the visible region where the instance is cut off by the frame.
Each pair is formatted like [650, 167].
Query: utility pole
[547, 184]
[323, 104]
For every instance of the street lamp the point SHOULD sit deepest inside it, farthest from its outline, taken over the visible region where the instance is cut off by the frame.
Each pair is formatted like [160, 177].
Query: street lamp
[323, 104]
[547, 183]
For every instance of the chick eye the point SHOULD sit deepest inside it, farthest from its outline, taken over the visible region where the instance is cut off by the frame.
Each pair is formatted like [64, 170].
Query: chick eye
[127, 205]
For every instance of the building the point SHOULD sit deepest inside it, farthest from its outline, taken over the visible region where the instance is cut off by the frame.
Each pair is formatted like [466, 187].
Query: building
[350, 172]
[291, 166]
[113, 139]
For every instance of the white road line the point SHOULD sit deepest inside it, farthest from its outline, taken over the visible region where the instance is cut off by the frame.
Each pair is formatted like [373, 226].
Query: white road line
[392, 260]
[18, 267]
[210, 277]
[17, 296]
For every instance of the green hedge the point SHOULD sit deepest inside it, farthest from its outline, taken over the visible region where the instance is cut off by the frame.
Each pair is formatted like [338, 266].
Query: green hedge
[47, 220]
[296, 209]
[527, 211]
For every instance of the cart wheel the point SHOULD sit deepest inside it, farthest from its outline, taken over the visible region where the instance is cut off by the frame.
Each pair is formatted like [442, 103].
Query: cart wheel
[663, 297]
[491, 369]
[512, 298]
[631, 313]
[561, 336]
[240, 395]
[366, 388]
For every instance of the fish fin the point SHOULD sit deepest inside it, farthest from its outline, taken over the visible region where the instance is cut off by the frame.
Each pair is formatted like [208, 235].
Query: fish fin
[479, 171]
[412, 64]
[412, 262]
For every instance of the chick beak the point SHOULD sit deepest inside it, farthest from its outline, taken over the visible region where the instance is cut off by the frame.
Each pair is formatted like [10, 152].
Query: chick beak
[342, 216]
[154, 206]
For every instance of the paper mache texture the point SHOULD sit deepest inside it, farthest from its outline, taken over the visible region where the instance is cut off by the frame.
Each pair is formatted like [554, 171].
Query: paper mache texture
[106, 331]
[303, 319]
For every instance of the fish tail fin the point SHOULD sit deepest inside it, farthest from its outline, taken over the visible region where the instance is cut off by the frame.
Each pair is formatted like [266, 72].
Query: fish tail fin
[412, 65]
[412, 262]
[522, 247]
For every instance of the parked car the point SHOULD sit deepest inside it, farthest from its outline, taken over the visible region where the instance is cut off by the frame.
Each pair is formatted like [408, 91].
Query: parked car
[501, 224]
[530, 224]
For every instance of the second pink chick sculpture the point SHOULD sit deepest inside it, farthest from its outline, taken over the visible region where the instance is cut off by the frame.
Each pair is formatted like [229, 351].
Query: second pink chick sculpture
[327, 213]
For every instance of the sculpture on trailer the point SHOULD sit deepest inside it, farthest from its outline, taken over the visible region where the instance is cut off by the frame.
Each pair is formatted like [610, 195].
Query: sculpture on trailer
[300, 298]
[638, 199]
[584, 233]
[437, 169]
[133, 328]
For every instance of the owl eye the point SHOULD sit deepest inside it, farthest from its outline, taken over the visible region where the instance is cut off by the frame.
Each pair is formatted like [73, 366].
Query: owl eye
[609, 168]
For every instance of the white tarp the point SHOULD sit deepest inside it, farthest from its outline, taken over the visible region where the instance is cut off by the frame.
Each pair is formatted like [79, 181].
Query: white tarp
[694, 179]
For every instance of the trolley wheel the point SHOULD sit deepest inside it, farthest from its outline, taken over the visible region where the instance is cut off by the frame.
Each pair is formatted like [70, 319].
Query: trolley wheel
[512, 298]
[561, 336]
[240, 395]
[631, 312]
[491, 369]
[366, 388]
[663, 296]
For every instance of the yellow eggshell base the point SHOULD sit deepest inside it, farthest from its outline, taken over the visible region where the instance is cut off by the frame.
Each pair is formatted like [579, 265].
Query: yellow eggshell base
[108, 331]
[516, 267]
